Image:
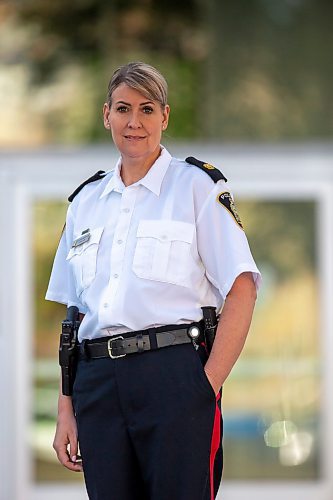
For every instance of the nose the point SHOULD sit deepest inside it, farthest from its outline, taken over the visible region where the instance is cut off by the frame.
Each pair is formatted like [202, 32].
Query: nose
[134, 120]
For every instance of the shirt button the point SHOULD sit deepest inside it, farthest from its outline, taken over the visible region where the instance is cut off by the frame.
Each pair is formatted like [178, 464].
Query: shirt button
[164, 236]
[119, 242]
[105, 304]
[126, 210]
[116, 275]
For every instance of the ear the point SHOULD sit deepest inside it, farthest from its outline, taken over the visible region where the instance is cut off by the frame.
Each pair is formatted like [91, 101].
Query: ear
[166, 113]
[106, 113]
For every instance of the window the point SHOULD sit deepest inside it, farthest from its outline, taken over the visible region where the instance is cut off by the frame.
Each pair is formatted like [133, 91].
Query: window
[271, 401]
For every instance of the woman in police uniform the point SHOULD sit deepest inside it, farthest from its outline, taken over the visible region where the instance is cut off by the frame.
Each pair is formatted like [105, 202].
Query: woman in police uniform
[146, 245]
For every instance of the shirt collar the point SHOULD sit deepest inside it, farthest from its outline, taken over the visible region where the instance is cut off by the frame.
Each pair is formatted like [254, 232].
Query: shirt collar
[152, 180]
[115, 183]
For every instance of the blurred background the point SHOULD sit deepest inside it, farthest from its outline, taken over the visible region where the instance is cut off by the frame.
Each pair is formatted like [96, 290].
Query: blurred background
[242, 74]
[247, 70]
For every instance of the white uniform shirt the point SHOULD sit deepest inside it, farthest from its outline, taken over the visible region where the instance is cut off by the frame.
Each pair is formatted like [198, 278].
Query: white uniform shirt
[158, 250]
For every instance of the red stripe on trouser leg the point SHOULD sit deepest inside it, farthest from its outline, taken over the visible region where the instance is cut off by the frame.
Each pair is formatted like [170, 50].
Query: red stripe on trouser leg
[215, 444]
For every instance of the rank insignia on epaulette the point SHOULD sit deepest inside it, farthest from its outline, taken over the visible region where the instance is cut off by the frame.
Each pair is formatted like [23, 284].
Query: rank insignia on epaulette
[214, 173]
[208, 166]
[227, 202]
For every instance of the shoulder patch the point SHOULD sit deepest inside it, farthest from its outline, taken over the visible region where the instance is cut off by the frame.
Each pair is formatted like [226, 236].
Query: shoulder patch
[96, 177]
[213, 172]
[227, 202]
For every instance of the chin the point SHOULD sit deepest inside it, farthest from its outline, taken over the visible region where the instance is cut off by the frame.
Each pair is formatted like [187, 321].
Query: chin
[136, 151]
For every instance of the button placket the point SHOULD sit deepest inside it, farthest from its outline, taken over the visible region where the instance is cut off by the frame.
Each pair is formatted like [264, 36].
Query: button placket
[117, 254]
[120, 238]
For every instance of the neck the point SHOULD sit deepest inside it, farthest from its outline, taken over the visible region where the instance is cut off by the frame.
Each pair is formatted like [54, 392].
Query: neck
[134, 169]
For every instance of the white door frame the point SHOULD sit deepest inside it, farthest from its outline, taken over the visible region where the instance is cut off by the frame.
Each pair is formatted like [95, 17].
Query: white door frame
[259, 173]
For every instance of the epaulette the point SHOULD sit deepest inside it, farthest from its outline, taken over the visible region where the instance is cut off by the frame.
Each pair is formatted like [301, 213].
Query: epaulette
[96, 177]
[213, 172]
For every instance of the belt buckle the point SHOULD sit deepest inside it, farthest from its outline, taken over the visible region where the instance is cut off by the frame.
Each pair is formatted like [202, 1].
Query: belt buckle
[110, 348]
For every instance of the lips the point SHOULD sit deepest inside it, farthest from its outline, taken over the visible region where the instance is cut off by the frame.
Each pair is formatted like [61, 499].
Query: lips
[134, 137]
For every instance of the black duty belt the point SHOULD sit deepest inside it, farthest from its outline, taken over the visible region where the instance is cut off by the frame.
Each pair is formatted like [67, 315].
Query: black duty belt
[118, 346]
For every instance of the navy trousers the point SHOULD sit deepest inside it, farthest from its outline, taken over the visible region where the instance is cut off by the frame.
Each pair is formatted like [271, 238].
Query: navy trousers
[149, 426]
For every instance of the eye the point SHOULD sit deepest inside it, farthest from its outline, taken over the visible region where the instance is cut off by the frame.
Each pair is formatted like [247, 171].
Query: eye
[147, 110]
[122, 109]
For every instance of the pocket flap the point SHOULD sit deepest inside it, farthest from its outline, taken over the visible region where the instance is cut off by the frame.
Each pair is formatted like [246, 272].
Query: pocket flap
[166, 230]
[95, 236]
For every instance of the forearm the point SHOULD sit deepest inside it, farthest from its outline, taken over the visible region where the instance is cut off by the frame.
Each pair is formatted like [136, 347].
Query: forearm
[65, 404]
[65, 440]
[232, 330]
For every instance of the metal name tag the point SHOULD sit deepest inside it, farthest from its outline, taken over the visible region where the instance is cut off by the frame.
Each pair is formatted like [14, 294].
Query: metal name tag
[85, 236]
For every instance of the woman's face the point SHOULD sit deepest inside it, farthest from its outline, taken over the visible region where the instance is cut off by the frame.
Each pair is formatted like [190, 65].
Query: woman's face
[136, 123]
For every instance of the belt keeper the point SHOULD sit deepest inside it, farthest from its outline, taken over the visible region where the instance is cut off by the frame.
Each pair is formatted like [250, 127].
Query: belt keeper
[139, 342]
[83, 350]
[152, 338]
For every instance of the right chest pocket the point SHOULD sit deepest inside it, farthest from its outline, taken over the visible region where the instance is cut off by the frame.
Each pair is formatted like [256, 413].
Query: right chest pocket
[83, 260]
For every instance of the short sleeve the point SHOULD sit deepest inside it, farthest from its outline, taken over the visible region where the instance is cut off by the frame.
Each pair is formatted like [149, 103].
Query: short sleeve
[61, 286]
[222, 243]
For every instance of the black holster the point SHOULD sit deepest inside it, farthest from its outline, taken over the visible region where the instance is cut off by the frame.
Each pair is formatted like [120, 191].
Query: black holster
[68, 350]
[210, 326]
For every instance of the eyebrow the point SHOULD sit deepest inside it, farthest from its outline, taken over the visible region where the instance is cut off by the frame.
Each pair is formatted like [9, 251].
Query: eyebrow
[128, 104]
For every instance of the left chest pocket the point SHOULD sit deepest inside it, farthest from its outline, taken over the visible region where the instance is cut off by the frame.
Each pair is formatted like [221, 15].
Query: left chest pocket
[162, 251]
[83, 259]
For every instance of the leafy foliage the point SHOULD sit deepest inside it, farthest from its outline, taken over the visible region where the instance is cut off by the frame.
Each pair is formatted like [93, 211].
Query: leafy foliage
[242, 70]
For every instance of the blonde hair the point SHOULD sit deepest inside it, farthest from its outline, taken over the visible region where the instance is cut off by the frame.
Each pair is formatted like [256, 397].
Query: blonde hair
[141, 77]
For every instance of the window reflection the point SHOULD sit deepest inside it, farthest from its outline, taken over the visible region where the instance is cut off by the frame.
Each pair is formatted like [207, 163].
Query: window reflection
[271, 400]
[48, 222]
